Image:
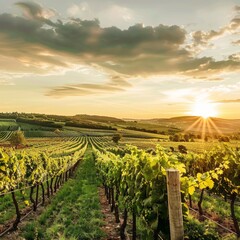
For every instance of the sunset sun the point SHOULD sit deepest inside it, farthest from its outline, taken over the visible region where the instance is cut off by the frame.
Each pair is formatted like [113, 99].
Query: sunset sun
[204, 109]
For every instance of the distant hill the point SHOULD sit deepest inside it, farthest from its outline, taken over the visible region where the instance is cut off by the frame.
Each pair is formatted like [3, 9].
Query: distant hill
[96, 118]
[158, 125]
[195, 124]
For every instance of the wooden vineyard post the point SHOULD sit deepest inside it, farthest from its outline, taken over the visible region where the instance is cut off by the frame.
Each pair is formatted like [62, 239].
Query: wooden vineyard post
[174, 205]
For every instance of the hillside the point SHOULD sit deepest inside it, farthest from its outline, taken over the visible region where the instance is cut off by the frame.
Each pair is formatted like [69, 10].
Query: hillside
[195, 124]
[96, 118]
[165, 126]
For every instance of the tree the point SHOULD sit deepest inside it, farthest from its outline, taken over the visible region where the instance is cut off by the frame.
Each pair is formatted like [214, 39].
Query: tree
[186, 137]
[182, 149]
[223, 139]
[17, 138]
[116, 137]
[57, 131]
[176, 138]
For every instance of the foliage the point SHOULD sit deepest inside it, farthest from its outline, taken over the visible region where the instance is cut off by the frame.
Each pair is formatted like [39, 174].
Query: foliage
[89, 125]
[140, 179]
[182, 149]
[116, 137]
[79, 217]
[31, 168]
[17, 138]
[194, 230]
[136, 173]
[41, 122]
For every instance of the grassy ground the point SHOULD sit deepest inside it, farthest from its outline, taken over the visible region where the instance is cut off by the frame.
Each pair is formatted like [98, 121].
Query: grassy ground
[7, 209]
[74, 213]
[215, 204]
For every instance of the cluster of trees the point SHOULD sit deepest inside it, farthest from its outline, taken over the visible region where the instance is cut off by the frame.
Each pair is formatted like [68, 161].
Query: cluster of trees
[45, 123]
[171, 131]
[142, 129]
[224, 139]
[181, 149]
[235, 136]
[190, 137]
[89, 125]
[96, 118]
[182, 137]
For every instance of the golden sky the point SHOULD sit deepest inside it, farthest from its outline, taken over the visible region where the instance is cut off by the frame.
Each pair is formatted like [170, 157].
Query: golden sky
[135, 59]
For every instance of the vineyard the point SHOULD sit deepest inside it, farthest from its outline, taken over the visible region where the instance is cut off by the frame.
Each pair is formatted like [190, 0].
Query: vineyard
[134, 181]
[119, 120]
[5, 135]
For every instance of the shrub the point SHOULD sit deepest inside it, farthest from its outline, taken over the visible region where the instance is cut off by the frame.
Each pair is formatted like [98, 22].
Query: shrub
[17, 138]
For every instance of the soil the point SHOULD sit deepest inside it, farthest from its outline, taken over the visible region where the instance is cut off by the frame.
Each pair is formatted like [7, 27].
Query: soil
[227, 223]
[111, 228]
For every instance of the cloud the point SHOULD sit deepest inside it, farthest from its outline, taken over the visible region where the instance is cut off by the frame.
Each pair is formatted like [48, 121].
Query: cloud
[33, 10]
[237, 9]
[115, 83]
[5, 83]
[236, 42]
[83, 90]
[229, 101]
[201, 38]
[87, 43]
[37, 45]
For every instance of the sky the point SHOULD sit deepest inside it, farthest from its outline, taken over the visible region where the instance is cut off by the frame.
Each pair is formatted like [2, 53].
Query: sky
[134, 59]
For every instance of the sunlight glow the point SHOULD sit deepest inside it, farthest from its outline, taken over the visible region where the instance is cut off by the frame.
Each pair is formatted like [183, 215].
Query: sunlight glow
[204, 109]
[205, 124]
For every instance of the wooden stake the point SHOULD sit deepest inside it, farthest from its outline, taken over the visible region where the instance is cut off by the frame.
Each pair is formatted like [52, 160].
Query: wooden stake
[174, 205]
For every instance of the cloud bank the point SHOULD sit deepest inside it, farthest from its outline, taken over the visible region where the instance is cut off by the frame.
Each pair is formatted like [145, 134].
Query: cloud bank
[229, 101]
[36, 44]
[201, 38]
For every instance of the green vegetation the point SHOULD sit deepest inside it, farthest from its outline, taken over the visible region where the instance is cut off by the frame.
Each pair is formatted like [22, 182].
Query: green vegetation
[17, 138]
[213, 204]
[116, 138]
[196, 230]
[74, 213]
[210, 175]
[138, 180]
[8, 125]
[30, 169]
[89, 125]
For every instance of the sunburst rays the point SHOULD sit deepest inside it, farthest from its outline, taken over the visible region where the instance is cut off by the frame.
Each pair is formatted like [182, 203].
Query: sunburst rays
[204, 126]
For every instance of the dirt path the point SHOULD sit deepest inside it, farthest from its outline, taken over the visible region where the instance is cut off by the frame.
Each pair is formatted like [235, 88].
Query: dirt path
[111, 228]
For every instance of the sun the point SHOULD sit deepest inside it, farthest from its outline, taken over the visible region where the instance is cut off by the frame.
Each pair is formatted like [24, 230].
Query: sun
[204, 109]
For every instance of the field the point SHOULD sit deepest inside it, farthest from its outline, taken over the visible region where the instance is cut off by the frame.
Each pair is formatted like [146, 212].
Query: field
[58, 171]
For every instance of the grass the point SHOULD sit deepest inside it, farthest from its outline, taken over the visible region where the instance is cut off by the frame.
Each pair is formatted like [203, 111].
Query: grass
[7, 209]
[74, 213]
[217, 205]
